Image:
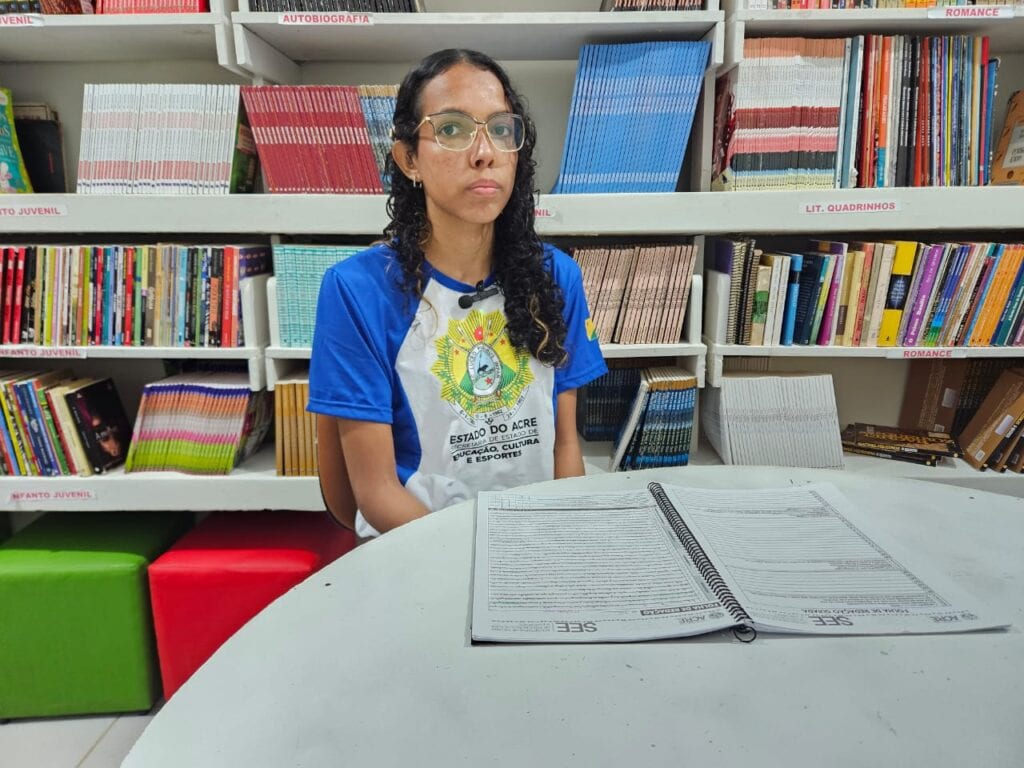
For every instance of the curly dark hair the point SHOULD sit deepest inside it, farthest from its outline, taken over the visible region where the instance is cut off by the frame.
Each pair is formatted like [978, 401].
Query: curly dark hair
[533, 300]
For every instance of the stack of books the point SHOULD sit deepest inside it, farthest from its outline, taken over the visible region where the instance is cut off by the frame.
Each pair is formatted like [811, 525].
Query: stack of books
[916, 446]
[630, 116]
[603, 405]
[638, 293]
[294, 427]
[299, 271]
[659, 428]
[328, 6]
[992, 438]
[322, 138]
[943, 395]
[200, 423]
[652, 5]
[55, 424]
[126, 295]
[864, 111]
[774, 420]
[165, 139]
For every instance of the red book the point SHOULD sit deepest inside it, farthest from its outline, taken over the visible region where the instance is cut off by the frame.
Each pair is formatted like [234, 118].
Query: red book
[129, 295]
[19, 295]
[7, 285]
[228, 291]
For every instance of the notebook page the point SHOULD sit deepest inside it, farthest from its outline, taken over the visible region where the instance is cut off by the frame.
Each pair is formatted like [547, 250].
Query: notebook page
[799, 559]
[584, 568]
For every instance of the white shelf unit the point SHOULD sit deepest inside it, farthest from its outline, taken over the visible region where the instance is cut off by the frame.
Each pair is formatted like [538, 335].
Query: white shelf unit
[870, 381]
[679, 213]
[537, 40]
[254, 485]
[1005, 33]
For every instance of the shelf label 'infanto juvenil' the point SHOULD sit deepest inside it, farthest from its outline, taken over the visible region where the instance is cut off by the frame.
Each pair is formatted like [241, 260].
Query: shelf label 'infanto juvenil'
[850, 206]
[972, 12]
[56, 496]
[544, 212]
[333, 17]
[29, 350]
[19, 210]
[21, 20]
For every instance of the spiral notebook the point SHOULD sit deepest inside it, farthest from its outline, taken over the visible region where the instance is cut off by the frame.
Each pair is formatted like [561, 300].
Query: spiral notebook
[668, 561]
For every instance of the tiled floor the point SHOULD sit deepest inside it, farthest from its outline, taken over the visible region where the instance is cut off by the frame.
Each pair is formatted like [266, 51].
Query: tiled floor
[70, 742]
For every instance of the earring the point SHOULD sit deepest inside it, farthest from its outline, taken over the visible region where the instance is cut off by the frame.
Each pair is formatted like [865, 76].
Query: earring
[416, 183]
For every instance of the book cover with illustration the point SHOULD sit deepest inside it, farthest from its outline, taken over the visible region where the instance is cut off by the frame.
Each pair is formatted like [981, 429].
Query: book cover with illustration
[101, 423]
[13, 175]
[1008, 161]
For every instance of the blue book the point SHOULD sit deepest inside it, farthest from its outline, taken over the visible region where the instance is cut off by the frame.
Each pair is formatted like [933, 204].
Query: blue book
[109, 259]
[796, 263]
[986, 161]
[573, 122]
[930, 334]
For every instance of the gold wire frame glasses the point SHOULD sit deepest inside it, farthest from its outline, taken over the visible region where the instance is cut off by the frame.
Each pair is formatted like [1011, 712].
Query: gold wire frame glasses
[456, 131]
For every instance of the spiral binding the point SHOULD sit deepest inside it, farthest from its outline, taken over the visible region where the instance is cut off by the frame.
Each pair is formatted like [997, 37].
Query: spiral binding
[744, 632]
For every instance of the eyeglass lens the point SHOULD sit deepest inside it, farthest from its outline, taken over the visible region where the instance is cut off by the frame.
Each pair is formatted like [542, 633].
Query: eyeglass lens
[455, 130]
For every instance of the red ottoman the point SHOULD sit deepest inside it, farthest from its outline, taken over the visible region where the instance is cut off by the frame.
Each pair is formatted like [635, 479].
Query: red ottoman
[225, 571]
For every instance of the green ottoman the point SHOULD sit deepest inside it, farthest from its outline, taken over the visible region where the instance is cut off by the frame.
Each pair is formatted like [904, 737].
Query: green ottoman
[76, 634]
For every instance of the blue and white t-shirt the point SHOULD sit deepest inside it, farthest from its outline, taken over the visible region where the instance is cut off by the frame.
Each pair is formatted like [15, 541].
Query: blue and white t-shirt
[468, 412]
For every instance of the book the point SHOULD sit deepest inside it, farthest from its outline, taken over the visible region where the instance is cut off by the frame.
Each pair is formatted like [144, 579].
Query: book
[671, 561]
[101, 423]
[1008, 158]
[920, 442]
[13, 174]
[42, 146]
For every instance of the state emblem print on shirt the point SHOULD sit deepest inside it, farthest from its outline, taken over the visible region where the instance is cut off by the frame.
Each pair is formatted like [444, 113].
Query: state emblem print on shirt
[482, 376]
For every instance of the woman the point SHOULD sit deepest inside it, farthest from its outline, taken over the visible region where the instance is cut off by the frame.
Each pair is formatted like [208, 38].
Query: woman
[446, 360]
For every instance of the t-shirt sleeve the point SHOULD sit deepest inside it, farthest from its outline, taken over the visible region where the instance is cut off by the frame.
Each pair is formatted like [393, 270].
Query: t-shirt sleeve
[350, 375]
[585, 361]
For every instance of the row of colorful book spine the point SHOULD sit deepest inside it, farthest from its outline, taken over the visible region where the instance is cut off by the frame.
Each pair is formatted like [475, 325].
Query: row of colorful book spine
[902, 293]
[126, 295]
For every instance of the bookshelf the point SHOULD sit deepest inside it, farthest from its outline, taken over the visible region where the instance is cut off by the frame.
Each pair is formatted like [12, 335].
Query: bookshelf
[539, 44]
[870, 381]
[538, 41]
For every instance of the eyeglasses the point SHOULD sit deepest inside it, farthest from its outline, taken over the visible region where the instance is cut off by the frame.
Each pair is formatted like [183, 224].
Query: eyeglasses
[456, 131]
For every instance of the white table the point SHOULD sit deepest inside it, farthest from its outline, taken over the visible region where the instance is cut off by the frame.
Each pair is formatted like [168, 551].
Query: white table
[369, 663]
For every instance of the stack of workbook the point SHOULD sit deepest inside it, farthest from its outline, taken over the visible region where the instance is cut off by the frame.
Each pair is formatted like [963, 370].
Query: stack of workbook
[299, 270]
[659, 429]
[201, 423]
[638, 293]
[785, 420]
[165, 139]
[294, 427]
[916, 446]
[630, 116]
[322, 138]
[603, 405]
